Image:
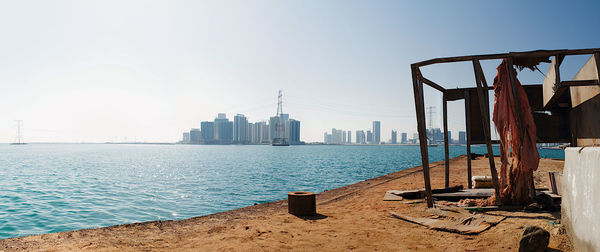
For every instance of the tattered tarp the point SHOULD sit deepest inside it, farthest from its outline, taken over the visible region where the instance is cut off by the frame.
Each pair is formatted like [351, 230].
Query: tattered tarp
[525, 158]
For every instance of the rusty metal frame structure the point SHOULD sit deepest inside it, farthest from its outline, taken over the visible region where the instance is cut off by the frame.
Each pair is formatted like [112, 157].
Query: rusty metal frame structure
[482, 92]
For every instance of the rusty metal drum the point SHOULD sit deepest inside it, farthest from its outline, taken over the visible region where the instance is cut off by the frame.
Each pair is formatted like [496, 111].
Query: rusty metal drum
[302, 203]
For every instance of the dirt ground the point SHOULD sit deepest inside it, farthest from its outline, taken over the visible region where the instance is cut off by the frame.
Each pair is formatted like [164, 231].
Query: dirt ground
[350, 218]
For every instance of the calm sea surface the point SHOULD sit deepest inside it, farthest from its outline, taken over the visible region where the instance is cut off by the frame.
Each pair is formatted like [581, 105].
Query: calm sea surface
[48, 188]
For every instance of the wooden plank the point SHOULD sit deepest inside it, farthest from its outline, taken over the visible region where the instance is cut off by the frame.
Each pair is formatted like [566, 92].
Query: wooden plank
[579, 83]
[392, 196]
[420, 193]
[468, 129]
[480, 193]
[460, 222]
[446, 144]
[421, 127]
[485, 116]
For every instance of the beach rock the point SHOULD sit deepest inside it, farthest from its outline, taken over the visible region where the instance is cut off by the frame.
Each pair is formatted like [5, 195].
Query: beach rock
[535, 239]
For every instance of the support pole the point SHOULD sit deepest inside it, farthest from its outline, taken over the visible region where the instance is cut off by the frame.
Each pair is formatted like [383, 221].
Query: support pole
[468, 118]
[513, 84]
[446, 144]
[485, 116]
[597, 59]
[421, 127]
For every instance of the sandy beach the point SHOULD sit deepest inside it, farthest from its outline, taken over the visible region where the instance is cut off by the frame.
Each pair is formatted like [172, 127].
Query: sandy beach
[353, 217]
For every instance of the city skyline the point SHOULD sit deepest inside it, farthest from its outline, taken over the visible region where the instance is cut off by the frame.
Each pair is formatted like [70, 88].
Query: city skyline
[145, 74]
[241, 131]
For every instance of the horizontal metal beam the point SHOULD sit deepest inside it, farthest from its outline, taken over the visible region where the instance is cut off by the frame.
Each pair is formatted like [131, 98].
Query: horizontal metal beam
[537, 53]
[579, 83]
[431, 83]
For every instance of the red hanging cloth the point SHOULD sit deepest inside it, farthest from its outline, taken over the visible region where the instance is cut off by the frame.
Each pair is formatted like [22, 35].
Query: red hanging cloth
[516, 188]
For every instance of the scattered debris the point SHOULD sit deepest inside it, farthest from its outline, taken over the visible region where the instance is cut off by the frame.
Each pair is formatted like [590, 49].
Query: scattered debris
[482, 181]
[475, 156]
[420, 193]
[464, 194]
[414, 201]
[393, 195]
[535, 239]
[454, 220]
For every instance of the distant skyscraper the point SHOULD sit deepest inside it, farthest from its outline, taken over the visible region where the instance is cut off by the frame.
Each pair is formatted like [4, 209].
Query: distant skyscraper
[462, 137]
[294, 131]
[376, 132]
[207, 132]
[264, 133]
[343, 137]
[336, 136]
[449, 137]
[240, 129]
[370, 137]
[186, 137]
[195, 136]
[223, 129]
[403, 139]
[360, 137]
[327, 138]
[394, 137]
[275, 127]
[349, 140]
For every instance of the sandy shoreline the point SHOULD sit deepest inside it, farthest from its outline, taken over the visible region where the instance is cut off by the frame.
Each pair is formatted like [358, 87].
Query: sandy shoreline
[350, 217]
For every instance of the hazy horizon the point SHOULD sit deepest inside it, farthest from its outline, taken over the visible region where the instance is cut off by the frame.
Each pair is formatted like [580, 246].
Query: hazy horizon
[83, 71]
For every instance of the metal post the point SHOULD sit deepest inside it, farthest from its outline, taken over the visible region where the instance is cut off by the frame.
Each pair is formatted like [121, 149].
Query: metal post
[446, 143]
[468, 118]
[421, 127]
[485, 114]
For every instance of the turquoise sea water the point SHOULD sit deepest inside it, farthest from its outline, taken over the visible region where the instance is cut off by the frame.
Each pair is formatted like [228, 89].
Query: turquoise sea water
[48, 188]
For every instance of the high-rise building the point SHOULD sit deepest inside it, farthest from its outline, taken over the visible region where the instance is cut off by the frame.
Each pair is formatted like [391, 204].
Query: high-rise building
[349, 139]
[394, 137]
[360, 137]
[207, 132]
[403, 139]
[250, 133]
[240, 129]
[336, 136]
[223, 129]
[263, 129]
[370, 137]
[376, 132]
[449, 137]
[462, 137]
[294, 131]
[277, 128]
[343, 136]
[186, 138]
[195, 136]
[327, 138]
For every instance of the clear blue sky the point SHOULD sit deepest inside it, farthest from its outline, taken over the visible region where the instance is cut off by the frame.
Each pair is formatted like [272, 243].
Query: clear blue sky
[99, 70]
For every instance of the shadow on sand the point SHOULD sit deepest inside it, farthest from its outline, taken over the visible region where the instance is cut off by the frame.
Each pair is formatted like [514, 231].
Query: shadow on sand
[313, 217]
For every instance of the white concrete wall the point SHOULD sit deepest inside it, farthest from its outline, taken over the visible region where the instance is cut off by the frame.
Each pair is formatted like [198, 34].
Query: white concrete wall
[581, 197]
